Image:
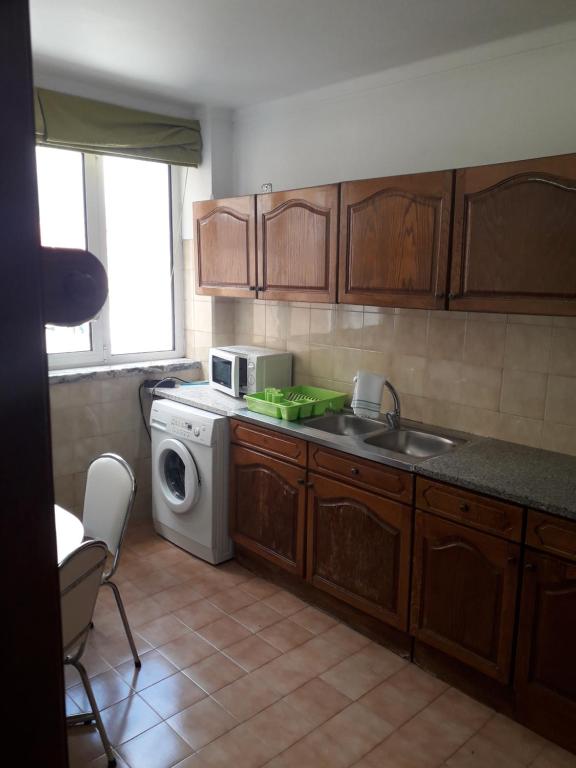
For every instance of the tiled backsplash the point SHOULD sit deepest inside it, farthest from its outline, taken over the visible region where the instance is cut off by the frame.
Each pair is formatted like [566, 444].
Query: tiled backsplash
[506, 376]
[97, 415]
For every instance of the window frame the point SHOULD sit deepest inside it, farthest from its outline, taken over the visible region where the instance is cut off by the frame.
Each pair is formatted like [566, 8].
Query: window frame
[95, 229]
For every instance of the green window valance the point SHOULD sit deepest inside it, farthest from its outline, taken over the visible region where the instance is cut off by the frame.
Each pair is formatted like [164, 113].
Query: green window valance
[72, 122]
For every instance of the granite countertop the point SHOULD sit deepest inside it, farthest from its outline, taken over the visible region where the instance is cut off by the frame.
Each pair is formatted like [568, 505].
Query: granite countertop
[532, 477]
[529, 476]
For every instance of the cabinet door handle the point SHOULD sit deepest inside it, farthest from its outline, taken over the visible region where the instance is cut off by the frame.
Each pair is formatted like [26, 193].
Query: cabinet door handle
[464, 507]
[251, 287]
[354, 471]
[512, 560]
[529, 566]
[306, 483]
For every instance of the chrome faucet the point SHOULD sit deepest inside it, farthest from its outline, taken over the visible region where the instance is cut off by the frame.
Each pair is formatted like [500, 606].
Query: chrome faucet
[393, 417]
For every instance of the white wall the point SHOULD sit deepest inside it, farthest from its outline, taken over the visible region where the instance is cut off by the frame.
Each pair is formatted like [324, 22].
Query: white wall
[508, 100]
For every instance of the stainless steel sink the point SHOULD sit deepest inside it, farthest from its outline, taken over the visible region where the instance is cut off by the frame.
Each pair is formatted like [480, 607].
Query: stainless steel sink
[412, 442]
[345, 424]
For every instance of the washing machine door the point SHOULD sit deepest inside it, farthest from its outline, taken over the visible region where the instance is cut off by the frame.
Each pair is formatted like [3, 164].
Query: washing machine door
[178, 475]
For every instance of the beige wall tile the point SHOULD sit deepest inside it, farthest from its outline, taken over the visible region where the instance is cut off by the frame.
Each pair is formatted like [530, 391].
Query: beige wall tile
[443, 414]
[347, 362]
[276, 321]
[523, 394]
[377, 362]
[67, 394]
[446, 338]
[378, 331]
[480, 421]
[203, 316]
[563, 354]
[223, 315]
[300, 356]
[250, 317]
[530, 319]
[322, 325]
[484, 343]
[77, 421]
[348, 328]
[321, 361]
[528, 347]
[298, 324]
[64, 491]
[480, 386]
[411, 333]
[559, 437]
[517, 429]
[561, 400]
[443, 379]
[409, 374]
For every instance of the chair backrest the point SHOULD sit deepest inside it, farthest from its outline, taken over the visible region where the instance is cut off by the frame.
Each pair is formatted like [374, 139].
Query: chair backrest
[109, 497]
[80, 579]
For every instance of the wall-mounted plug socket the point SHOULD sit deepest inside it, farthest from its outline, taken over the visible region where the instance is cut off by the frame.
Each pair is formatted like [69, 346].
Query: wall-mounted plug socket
[267, 187]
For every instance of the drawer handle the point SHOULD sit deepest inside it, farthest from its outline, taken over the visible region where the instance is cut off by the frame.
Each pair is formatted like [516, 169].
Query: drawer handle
[306, 483]
[354, 471]
[464, 507]
[530, 566]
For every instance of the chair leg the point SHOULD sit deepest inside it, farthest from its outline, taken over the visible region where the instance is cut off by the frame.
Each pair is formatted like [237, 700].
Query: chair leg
[95, 712]
[120, 604]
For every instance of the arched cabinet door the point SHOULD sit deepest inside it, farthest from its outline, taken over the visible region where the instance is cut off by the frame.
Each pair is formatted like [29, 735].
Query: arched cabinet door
[224, 242]
[358, 548]
[464, 594]
[298, 244]
[394, 236]
[514, 241]
[267, 507]
[545, 664]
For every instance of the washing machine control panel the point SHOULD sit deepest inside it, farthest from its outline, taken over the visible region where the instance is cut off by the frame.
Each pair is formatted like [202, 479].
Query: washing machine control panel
[199, 433]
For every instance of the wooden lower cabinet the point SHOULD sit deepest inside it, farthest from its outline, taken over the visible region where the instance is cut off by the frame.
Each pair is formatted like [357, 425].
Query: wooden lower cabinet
[358, 548]
[267, 507]
[546, 660]
[464, 587]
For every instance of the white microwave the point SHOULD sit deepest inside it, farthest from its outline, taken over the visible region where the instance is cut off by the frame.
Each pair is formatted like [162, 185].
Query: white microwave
[244, 370]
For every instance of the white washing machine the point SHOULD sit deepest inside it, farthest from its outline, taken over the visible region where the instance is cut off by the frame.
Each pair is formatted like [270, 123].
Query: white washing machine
[190, 479]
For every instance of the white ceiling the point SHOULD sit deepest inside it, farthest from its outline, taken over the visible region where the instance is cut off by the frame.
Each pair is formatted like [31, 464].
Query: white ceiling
[238, 52]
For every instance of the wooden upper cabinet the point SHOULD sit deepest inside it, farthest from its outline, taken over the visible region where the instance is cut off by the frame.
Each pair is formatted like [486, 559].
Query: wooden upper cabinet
[224, 240]
[464, 587]
[298, 244]
[514, 243]
[394, 240]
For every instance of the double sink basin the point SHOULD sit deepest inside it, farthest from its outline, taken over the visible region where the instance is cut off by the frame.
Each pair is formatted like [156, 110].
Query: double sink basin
[374, 436]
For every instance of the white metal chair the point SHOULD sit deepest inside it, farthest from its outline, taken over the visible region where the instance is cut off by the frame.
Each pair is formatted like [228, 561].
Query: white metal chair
[80, 579]
[108, 501]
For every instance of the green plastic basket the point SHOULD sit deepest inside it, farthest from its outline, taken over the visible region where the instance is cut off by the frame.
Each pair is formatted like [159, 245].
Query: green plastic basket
[298, 403]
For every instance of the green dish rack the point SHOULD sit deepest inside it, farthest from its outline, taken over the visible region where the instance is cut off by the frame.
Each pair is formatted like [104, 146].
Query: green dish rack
[292, 403]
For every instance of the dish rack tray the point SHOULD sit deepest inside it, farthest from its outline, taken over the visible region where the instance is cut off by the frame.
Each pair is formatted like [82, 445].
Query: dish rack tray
[292, 403]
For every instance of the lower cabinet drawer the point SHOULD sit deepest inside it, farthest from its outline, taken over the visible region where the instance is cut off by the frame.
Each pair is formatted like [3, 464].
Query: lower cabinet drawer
[482, 512]
[551, 534]
[464, 586]
[358, 548]
[279, 444]
[388, 481]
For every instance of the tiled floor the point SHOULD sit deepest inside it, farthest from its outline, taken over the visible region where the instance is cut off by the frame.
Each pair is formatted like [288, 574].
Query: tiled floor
[238, 673]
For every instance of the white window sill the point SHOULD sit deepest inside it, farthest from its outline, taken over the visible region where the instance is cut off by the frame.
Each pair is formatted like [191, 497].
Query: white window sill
[124, 369]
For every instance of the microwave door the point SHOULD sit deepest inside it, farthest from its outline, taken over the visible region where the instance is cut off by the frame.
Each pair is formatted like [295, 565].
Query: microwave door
[224, 373]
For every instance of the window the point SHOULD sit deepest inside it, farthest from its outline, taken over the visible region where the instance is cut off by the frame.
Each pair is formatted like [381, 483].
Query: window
[120, 210]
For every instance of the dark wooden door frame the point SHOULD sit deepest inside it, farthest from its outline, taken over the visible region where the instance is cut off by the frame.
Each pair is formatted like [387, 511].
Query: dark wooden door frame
[33, 687]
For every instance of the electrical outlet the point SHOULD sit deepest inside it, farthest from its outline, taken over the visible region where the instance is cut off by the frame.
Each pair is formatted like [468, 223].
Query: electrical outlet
[267, 187]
